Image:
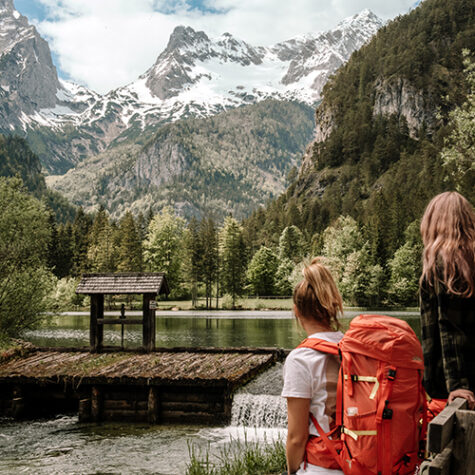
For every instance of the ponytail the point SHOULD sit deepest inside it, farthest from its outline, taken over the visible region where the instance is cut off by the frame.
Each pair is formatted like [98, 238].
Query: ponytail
[317, 297]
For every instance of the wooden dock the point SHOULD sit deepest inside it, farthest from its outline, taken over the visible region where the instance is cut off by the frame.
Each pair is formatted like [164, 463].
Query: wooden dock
[162, 386]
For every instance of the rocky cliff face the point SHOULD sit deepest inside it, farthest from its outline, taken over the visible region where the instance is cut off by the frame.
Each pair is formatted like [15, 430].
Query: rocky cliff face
[398, 96]
[28, 79]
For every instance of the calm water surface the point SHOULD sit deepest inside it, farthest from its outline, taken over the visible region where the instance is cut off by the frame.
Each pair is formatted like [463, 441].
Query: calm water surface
[63, 446]
[191, 329]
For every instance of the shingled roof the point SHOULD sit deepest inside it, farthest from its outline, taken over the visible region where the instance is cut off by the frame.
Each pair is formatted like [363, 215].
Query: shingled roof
[124, 283]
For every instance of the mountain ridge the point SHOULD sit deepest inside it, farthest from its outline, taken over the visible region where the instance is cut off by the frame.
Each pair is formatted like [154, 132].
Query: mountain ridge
[194, 76]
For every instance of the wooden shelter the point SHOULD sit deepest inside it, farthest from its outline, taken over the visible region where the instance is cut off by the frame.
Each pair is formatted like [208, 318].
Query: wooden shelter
[149, 284]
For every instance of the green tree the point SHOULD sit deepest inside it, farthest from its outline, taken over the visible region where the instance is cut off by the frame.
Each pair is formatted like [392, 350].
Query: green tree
[233, 258]
[80, 242]
[210, 257]
[193, 261]
[102, 251]
[358, 277]
[405, 268]
[292, 244]
[458, 154]
[261, 271]
[283, 277]
[130, 252]
[164, 247]
[25, 281]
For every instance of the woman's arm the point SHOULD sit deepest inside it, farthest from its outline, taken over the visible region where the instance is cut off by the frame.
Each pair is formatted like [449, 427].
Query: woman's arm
[298, 410]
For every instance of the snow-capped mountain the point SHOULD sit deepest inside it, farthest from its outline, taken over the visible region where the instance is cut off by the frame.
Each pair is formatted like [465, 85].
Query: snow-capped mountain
[199, 76]
[195, 76]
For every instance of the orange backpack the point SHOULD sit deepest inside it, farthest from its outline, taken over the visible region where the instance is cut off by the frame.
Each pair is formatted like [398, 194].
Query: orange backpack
[380, 400]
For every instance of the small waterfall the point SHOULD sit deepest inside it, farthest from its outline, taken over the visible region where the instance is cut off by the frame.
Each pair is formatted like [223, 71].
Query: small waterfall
[259, 410]
[259, 404]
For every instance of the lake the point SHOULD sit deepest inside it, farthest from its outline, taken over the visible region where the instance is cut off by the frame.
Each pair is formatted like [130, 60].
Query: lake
[61, 445]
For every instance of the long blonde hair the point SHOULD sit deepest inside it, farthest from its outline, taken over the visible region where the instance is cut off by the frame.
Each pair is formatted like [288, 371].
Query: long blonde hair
[317, 296]
[448, 233]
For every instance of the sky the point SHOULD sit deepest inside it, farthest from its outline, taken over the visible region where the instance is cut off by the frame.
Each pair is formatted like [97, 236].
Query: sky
[105, 44]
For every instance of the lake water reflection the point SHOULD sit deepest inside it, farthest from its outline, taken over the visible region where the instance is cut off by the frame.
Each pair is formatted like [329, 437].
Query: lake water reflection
[192, 329]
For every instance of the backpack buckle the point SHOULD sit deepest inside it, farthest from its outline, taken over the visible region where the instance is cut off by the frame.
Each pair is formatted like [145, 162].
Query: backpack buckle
[387, 413]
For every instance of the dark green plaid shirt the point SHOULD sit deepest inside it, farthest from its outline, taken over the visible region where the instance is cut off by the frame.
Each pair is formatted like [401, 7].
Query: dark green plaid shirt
[448, 341]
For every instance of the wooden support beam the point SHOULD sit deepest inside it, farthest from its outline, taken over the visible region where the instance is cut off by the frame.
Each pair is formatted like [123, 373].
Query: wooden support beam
[96, 330]
[84, 410]
[153, 410]
[463, 462]
[148, 331]
[124, 321]
[440, 429]
[96, 404]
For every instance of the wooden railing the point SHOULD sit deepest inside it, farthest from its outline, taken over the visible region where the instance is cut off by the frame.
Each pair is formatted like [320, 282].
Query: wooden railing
[451, 441]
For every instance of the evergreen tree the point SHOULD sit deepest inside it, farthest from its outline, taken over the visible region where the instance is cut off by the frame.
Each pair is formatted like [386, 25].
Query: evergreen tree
[80, 242]
[195, 257]
[210, 257]
[292, 244]
[130, 253]
[233, 258]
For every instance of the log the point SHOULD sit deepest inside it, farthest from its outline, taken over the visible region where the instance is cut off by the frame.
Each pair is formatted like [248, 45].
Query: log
[116, 405]
[153, 410]
[464, 443]
[441, 428]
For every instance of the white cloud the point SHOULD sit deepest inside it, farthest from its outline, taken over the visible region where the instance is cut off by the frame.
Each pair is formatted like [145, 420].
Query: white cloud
[104, 44]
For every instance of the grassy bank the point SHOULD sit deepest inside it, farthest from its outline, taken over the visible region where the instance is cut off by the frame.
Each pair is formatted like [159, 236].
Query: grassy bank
[239, 458]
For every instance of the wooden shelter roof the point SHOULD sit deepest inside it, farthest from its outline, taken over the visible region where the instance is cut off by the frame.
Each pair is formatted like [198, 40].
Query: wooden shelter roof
[124, 283]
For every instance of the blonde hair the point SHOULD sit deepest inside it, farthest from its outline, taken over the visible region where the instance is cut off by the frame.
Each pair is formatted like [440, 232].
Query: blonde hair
[448, 233]
[317, 296]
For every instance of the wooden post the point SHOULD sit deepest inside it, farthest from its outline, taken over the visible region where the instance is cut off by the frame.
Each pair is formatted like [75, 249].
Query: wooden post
[96, 404]
[153, 408]
[148, 332]
[96, 331]
[463, 461]
[440, 429]
[84, 410]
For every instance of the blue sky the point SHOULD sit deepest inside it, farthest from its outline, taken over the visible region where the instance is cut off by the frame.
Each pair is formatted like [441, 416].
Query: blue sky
[104, 44]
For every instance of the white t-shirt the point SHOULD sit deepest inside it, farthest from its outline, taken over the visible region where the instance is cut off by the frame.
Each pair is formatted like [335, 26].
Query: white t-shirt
[313, 375]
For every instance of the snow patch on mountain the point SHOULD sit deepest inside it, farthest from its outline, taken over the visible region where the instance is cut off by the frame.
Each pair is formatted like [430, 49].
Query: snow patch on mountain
[200, 76]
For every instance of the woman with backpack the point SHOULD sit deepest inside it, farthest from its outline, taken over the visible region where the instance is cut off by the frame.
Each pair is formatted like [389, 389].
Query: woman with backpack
[310, 377]
[447, 297]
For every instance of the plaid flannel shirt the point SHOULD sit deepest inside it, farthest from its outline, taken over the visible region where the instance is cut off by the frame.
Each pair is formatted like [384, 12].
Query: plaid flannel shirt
[448, 341]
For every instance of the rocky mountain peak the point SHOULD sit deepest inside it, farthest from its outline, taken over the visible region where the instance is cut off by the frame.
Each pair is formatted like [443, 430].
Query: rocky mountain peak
[184, 37]
[6, 6]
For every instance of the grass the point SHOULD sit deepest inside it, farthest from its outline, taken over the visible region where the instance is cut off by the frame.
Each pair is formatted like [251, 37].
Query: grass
[239, 458]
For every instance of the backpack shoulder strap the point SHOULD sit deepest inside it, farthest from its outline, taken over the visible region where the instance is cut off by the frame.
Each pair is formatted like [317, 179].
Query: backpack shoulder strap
[320, 345]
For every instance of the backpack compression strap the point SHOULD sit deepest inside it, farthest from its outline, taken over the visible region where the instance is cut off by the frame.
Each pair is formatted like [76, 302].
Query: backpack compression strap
[320, 345]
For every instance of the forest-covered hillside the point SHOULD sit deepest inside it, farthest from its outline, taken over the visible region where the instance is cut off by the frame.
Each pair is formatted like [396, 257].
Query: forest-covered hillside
[384, 121]
[229, 163]
[18, 160]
